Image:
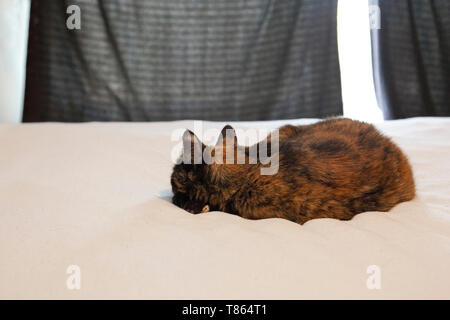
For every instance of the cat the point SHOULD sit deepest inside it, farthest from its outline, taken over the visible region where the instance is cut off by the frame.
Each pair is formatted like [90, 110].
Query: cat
[335, 168]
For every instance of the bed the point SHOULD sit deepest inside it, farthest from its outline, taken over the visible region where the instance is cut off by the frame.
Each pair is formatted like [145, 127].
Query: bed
[97, 196]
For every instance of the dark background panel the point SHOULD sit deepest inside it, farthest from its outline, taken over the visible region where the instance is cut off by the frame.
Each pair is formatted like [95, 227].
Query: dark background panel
[169, 60]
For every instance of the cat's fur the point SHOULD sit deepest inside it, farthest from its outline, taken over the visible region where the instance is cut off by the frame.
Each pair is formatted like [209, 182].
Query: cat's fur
[335, 168]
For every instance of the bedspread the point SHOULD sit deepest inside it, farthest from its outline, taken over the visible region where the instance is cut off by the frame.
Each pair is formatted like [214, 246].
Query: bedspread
[92, 200]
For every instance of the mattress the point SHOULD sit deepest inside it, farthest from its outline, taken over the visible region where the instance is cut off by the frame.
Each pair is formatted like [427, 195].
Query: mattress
[85, 213]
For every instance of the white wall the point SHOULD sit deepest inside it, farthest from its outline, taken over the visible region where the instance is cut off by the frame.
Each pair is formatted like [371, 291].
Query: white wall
[14, 17]
[355, 59]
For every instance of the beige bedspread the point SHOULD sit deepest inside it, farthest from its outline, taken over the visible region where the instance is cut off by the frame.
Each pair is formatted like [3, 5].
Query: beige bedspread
[97, 196]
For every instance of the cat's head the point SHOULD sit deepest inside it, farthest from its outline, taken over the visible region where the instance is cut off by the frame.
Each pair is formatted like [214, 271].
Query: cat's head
[196, 182]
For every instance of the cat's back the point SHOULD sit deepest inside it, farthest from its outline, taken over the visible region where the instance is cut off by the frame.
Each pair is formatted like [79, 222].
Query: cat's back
[337, 137]
[333, 137]
[346, 157]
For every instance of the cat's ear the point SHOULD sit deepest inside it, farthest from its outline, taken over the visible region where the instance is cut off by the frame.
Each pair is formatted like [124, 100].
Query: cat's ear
[227, 137]
[192, 148]
[226, 146]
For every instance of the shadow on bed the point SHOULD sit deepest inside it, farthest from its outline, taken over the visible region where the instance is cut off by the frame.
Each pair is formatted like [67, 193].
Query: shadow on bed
[166, 195]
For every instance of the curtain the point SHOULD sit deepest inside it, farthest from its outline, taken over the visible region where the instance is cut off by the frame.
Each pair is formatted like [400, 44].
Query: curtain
[411, 58]
[183, 59]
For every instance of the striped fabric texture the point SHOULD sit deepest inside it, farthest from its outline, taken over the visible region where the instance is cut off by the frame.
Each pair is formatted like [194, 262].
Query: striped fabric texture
[411, 58]
[183, 59]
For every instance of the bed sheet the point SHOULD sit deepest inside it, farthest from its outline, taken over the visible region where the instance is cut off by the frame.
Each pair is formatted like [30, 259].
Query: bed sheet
[97, 196]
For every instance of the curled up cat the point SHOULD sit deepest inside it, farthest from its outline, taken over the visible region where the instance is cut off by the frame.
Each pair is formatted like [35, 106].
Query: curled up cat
[335, 168]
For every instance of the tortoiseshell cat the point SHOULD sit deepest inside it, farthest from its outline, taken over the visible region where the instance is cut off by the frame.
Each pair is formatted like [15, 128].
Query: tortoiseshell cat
[335, 168]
